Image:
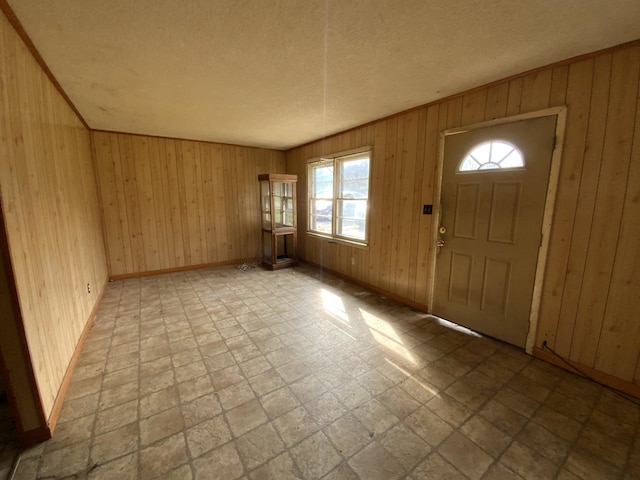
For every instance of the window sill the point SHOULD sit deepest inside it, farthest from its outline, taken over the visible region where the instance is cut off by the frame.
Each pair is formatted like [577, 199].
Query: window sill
[344, 241]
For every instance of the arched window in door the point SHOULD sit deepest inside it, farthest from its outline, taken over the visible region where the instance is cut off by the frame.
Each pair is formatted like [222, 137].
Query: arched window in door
[492, 155]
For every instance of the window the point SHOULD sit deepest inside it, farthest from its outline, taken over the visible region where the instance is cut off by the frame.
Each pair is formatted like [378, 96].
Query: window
[339, 196]
[490, 155]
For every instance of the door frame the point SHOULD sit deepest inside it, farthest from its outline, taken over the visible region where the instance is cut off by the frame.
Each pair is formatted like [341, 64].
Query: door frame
[554, 174]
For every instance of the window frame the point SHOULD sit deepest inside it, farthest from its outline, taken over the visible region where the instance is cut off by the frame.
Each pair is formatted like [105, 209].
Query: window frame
[335, 160]
[496, 169]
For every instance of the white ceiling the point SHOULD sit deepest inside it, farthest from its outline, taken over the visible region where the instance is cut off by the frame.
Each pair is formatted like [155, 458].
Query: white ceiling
[280, 73]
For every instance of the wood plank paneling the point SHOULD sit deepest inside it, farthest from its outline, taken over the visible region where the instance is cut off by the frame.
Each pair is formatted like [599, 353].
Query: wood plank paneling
[412, 141]
[175, 203]
[605, 227]
[585, 177]
[580, 81]
[496, 104]
[389, 195]
[586, 310]
[427, 197]
[51, 213]
[473, 107]
[620, 326]
[514, 96]
[376, 202]
[162, 223]
[559, 79]
[536, 89]
[413, 261]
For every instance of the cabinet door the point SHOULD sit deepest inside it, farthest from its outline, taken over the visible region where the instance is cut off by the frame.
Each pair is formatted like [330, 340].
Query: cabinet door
[265, 204]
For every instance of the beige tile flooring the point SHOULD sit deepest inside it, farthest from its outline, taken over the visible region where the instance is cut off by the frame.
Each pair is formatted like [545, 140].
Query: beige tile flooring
[222, 373]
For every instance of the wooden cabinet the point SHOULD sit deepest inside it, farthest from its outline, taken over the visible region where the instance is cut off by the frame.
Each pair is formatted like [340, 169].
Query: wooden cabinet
[279, 220]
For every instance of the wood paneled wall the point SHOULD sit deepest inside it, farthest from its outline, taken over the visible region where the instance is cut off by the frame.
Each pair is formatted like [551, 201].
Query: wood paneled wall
[51, 212]
[170, 203]
[589, 311]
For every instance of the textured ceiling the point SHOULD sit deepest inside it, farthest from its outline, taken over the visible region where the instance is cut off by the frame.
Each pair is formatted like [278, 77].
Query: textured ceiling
[280, 73]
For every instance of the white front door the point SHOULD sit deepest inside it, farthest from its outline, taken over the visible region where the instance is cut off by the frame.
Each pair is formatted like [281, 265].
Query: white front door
[494, 186]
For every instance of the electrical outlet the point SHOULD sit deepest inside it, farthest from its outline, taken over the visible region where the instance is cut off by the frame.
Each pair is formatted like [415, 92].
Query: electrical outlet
[353, 260]
[88, 288]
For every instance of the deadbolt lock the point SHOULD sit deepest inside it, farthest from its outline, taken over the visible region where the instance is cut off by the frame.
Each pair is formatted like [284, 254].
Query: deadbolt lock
[442, 230]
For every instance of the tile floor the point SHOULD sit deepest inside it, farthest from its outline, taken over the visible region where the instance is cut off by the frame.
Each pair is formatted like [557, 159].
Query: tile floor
[222, 373]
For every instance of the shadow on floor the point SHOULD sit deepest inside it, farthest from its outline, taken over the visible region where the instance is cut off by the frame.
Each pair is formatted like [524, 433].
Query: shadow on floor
[8, 443]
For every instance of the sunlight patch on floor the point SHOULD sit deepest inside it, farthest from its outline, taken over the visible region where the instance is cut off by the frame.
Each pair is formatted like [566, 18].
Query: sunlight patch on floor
[386, 335]
[334, 306]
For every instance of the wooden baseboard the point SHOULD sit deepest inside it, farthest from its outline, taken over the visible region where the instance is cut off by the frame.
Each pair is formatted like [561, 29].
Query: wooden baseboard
[150, 273]
[62, 392]
[384, 293]
[582, 370]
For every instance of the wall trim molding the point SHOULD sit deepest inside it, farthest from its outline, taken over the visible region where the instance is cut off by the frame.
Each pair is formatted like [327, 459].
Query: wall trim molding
[149, 273]
[24, 36]
[181, 139]
[559, 63]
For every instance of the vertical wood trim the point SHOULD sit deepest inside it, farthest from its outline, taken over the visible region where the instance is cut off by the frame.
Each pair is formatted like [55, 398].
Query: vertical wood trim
[547, 225]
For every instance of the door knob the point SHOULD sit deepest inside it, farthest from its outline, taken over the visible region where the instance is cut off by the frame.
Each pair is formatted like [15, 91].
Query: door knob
[439, 243]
